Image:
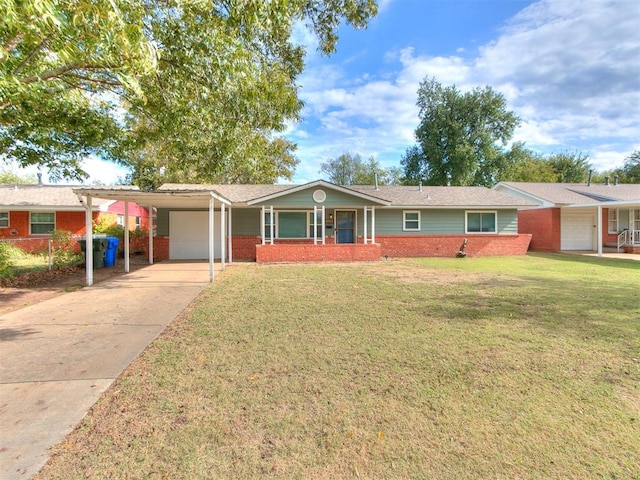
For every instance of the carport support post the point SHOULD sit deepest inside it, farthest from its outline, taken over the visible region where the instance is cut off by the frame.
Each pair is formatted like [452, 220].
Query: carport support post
[88, 245]
[126, 237]
[599, 230]
[229, 236]
[150, 235]
[222, 234]
[211, 235]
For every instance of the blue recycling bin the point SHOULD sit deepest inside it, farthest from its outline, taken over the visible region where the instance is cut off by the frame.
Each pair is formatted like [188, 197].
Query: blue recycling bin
[110, 253]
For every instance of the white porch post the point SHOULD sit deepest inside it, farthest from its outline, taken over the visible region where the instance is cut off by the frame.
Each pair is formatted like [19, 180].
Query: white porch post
[88, 251]
[223, 244]
[373, 224]
[126, 236]
[315, 224]
[324, 222]
[599, 230]
[262, 233]
[150, 235]
[272, 226]
[365, 225]
[211, 235]
[229, 236]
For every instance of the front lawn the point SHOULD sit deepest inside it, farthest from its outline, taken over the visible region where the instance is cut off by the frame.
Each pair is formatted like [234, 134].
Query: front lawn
[524, 367]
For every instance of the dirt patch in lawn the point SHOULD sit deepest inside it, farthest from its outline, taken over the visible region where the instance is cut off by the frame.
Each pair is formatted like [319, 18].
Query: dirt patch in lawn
[35, 287]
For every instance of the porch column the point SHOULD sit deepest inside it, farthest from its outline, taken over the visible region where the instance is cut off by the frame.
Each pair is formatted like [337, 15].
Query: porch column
[272, 226]
[88, 251]
[126, 237]
[150, 235]
[599, 230]
[211, 235]
[365, 225]
[262, 225]
[222, 237]
[229, 236]
[373, 224]
[324, 222]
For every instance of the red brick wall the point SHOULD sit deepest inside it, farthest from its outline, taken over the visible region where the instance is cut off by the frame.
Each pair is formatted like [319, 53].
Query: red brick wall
[244, 247]
[317, 253]
[606, 236]
[449, 245]
[160, 248]
[544, 226]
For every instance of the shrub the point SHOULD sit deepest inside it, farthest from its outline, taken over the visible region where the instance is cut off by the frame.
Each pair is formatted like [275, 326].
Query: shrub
[6, 260]
[63, 250]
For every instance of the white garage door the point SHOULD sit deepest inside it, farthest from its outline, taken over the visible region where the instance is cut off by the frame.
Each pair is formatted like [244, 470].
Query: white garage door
[578, 231]
[189, 235]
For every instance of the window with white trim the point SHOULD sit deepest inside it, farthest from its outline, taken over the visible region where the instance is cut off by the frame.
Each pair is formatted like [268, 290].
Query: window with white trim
[42, 223]
[138, 223]
[318, 224]
[411, 220]
[120, 220]
[4, 219]
[613, 220]
[267, 224]
[481, 222]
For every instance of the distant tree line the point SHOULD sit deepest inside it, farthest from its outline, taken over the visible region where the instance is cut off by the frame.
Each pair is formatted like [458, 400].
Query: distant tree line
[462, 139]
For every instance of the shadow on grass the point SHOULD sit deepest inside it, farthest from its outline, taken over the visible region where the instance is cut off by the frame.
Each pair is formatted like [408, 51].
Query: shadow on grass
[590, 260]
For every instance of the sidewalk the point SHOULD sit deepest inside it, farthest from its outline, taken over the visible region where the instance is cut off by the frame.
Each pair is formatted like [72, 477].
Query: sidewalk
[57, 357]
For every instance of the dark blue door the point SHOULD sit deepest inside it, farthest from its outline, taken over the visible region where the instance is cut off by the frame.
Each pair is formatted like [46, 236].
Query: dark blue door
[345, 227]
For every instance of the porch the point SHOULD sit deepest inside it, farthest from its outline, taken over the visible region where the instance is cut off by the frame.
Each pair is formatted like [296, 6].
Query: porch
[628, 241]
[285, 252]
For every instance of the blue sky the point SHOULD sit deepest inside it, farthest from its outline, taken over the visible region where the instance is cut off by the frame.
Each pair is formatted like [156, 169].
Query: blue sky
[570, 69]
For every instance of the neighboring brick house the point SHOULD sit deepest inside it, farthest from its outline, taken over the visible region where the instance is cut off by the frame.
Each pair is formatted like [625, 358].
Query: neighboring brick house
[321, 221]
[579, 216]
[31, 212]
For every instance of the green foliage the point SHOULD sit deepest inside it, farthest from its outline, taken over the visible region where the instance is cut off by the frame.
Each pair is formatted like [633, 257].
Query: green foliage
[6, 260]
[350, 169]
[179, 90]
[570, 167]
[8, 177]
[63, 249]
[630, 172]
[524, 165]
[459, 135]
[107, 225]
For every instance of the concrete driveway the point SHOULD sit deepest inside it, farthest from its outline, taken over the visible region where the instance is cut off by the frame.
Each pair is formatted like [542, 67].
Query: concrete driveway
[58, 356]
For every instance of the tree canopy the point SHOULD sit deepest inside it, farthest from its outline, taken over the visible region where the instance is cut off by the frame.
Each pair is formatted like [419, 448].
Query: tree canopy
[179, 89]
[350, 169]
[460, 136]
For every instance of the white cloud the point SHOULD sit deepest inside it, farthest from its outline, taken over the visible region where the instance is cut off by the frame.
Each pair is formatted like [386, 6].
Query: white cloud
[569, 69]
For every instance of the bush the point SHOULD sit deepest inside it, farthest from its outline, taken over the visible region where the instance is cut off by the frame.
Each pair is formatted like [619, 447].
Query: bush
[6, 260]
[63, 249]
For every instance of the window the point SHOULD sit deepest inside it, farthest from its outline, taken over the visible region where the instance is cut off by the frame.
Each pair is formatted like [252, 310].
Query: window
[292, 225]
[411, 220]
[267, 225]
[42, 223]
[481, 222]
[120, 220]
[319, 226]
[4, 219]
[138, 223]
[613, 220]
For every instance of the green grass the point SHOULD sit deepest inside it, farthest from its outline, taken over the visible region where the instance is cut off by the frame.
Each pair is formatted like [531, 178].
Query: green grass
[522, 367]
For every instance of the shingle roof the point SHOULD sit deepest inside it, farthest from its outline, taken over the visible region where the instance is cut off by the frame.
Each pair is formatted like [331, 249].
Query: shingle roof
[397, 195]
[572, 193]
[42, 196]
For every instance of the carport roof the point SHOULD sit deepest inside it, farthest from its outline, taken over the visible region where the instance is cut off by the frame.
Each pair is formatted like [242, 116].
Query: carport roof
[166, 198]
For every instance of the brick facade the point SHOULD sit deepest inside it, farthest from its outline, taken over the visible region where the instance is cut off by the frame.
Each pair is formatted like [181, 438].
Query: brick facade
[160, 248]
[317, 253]
[449, 245]
[544, 226]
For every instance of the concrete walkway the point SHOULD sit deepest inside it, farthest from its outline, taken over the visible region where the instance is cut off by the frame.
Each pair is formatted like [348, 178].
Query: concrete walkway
[57, 357]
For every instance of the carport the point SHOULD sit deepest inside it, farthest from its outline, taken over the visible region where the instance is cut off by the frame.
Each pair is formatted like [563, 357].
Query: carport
[166, 199]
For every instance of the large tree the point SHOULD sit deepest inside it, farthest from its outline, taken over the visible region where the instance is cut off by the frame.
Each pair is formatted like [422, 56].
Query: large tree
[570, 167]
[461, 135]
[193, 89]
[350, 169]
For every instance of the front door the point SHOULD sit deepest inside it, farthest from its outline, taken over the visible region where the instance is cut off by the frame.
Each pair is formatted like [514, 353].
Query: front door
[345, 226]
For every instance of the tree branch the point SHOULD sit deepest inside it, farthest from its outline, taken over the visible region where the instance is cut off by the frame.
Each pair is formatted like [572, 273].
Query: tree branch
[33, 53]
[12, 44]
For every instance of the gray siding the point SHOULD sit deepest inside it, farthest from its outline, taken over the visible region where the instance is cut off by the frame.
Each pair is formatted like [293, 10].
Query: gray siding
[304, 199]
[246, 221]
